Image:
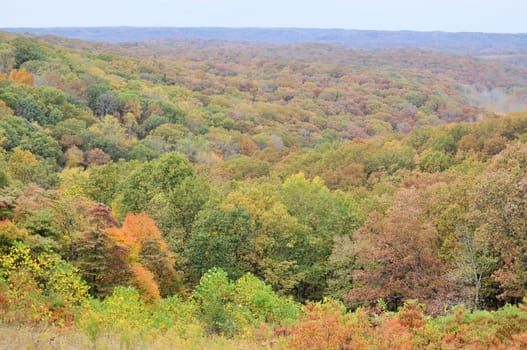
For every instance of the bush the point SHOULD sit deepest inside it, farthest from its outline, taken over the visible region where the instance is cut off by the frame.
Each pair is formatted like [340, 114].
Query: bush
[231, 308]
[38, 289]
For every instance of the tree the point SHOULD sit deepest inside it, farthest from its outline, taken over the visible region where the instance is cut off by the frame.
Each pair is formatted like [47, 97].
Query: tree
[27, 50]
[280, 250]
[21, 165]
[7, 57]
[214, 296]
[499, 212]
[228, 307]
[106, 104]
[74, 157]
[22, 76]
[42, 288]
[474, 261]
[102, 263]
[327, 326]
[29, 108]
[341, 265]
[434, 161]
[97, 156]
[147, 249]
[398, 257]
[9, 234]
[100, 260]
[466, 251]
[109, 128]
[102, 182]
[157, 259]
[21, 133]
[160, 176]
[221, 238]
[328, 215]
[167, 189]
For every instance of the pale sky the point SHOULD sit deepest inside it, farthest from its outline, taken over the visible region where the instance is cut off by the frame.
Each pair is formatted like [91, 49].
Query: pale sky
[501, 16]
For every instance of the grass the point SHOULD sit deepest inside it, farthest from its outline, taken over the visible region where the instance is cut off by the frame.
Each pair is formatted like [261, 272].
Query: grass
[52, 338]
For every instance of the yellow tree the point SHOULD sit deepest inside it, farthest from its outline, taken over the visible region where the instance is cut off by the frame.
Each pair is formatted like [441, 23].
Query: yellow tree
[22, 77]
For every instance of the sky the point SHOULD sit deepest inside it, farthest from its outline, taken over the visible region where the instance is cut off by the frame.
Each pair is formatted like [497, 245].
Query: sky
[498, 16]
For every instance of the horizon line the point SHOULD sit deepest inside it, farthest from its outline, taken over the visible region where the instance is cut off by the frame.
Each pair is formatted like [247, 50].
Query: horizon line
[258, 27]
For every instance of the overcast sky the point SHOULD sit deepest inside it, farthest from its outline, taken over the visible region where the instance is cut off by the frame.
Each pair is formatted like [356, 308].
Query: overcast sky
[502, 16]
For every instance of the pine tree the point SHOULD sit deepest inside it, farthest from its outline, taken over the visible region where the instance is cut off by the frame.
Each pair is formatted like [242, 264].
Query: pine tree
[101, 263]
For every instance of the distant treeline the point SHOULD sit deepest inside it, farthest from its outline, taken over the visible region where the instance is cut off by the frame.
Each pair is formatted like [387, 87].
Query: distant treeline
[462, 43]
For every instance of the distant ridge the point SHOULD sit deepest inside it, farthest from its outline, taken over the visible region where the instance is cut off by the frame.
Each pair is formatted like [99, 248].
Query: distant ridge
[462, 43]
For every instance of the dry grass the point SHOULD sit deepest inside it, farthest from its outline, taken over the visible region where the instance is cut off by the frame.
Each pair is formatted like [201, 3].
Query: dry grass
[51, 338]
[41, 338]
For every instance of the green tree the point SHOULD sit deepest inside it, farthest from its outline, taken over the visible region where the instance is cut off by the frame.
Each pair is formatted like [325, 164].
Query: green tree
[168, 189]
[27, 50]
[20, 133]
[29, 108]
[214, 295]
[221, 238]
[434, 161]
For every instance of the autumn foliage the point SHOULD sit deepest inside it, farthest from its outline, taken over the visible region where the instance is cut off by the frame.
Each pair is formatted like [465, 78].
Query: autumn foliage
[137, 234]
[20, 76]
[300, 197]
[327, 326]
[398, 258]
[145, 283]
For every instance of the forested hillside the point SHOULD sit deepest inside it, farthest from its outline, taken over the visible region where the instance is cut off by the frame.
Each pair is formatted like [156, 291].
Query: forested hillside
[204, 194]
[460, 43]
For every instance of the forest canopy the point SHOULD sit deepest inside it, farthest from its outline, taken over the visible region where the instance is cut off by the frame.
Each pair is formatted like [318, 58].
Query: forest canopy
[308, 196]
